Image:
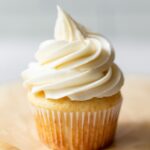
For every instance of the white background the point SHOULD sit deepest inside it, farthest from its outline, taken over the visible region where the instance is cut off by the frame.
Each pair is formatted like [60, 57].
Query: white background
[26, 23]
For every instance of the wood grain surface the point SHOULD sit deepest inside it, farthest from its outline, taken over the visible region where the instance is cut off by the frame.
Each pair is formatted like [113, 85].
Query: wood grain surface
[17, 130]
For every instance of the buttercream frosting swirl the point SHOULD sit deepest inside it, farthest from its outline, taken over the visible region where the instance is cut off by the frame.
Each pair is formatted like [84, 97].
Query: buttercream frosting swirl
[77, 64]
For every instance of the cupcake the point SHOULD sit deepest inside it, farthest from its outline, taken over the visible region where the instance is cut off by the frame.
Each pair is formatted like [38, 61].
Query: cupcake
[74, 88]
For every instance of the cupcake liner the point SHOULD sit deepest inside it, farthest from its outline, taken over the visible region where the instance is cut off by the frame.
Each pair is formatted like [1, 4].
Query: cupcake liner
[76, 130]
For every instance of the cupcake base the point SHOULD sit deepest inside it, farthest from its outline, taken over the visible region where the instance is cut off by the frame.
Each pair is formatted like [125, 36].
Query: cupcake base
[77, 130]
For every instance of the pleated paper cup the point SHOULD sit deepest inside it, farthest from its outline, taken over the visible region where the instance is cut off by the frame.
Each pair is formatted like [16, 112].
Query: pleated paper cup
[76, 130]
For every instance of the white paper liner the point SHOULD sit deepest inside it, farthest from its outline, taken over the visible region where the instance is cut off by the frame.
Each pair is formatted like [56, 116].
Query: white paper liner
[76, 130]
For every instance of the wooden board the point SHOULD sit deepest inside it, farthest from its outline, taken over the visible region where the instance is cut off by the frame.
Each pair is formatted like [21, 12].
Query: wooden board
[17, 126]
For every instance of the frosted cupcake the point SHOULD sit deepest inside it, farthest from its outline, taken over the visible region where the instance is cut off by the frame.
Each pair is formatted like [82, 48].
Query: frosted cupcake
[74, 88]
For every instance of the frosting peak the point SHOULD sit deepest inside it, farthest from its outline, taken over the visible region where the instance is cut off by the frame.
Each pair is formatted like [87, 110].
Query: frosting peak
[67, 29]
[77, 64]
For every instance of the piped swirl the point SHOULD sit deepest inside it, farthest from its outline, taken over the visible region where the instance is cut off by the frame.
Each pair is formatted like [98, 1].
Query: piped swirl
[77, 64]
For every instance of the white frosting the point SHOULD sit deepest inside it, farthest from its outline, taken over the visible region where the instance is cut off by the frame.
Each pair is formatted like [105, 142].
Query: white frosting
[77, 64]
